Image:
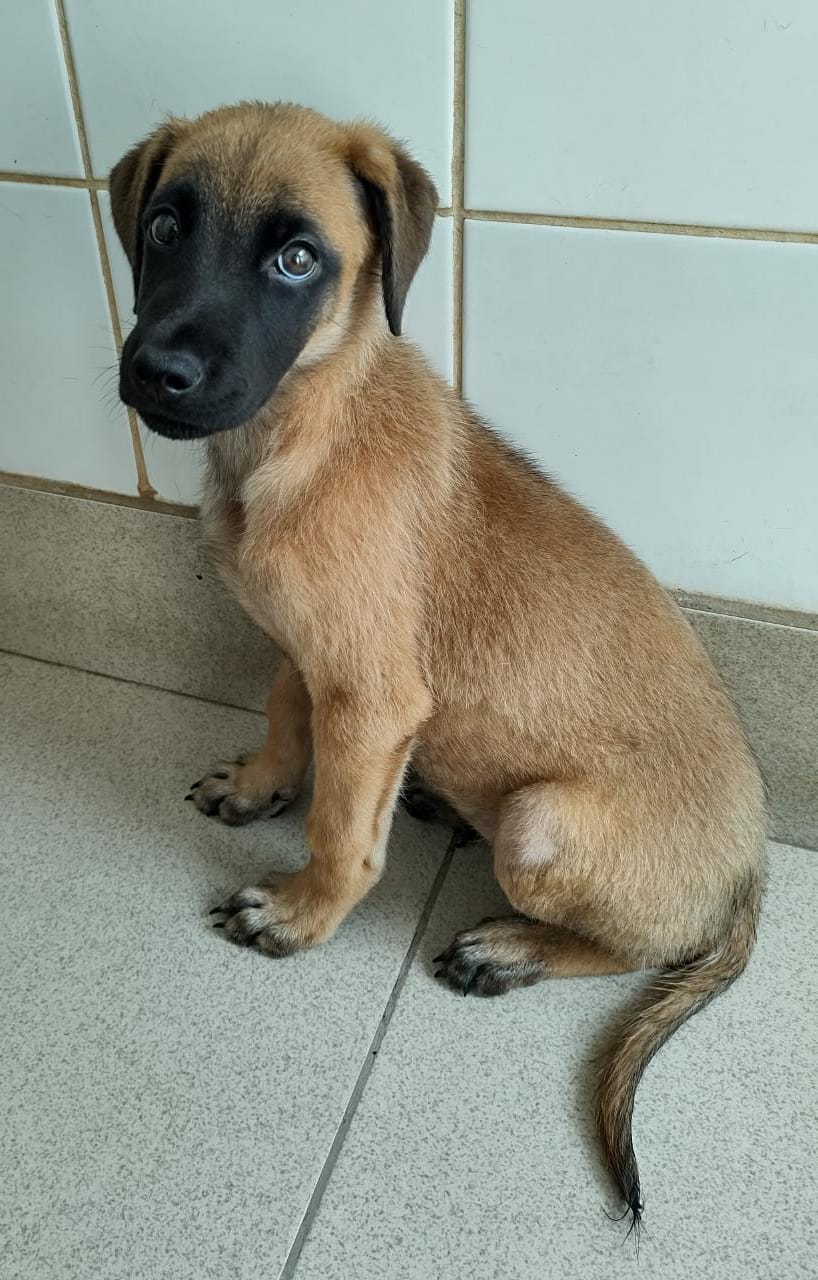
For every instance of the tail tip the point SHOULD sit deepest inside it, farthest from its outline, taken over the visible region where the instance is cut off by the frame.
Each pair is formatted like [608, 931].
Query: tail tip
[635, 1208]
[634, 1211]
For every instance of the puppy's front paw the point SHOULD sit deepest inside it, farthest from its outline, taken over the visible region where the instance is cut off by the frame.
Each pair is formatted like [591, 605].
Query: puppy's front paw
[251, 919]
[277, 919]
[236, 793]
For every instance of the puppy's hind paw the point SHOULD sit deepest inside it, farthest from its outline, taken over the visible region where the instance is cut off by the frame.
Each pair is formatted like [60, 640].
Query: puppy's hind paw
[490, 959]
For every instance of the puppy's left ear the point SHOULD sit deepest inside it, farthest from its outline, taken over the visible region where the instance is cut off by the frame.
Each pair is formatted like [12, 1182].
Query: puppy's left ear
[403, 201]
[132, 182]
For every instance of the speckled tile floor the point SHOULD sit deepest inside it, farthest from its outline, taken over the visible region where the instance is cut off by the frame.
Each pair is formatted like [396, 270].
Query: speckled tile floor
[172, 1107]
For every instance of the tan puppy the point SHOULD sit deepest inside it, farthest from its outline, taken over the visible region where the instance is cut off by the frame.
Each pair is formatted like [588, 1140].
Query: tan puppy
[438, 598]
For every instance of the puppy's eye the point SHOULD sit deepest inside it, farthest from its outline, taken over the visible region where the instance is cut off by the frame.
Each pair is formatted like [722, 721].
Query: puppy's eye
[296, 262]
[164, 229]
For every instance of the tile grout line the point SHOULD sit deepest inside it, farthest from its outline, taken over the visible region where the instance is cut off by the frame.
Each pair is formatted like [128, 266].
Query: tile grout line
[634, 224]
[50, 180]
[288, 1271]
[772, 235]
[458, 186]
[143, 484]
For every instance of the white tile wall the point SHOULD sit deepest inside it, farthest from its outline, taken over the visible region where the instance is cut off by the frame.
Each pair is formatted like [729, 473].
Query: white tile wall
[703, 112]
[428, 317]
[60, 415]
[37, 132]
[669, 382]
[175, 467]
[136, 62]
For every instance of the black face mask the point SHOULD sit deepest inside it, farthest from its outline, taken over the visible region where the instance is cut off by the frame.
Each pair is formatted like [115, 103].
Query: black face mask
[224, 308]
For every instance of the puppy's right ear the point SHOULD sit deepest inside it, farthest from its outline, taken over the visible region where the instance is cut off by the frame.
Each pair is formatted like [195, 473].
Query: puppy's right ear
[132, 182]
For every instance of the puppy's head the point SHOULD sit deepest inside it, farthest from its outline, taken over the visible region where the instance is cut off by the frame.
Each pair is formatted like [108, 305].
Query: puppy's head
[259, 236]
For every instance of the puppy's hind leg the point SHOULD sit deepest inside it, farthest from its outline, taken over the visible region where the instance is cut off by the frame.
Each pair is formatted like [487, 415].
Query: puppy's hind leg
[518, 951]
[263, 784]
[513, 951]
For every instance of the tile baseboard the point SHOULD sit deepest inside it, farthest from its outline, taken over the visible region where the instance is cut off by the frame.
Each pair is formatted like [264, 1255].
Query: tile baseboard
[746, 609]
[771, 672]
[124, 592]
[128, 593]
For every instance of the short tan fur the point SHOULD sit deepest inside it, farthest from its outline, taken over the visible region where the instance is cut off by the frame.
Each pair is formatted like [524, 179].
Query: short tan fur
[441, 601]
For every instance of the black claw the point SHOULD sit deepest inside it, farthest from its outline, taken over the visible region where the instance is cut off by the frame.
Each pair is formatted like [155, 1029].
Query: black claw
[194, 785]
[218, 924]
[465, 981]
[276, 799]
[459, 971]
[240, 901]
[453, 979]
[189, 796]
[220, 775]
[217, 911]
[247, 938]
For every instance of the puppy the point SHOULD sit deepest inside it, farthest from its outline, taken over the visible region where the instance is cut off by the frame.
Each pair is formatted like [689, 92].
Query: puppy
[438, 598]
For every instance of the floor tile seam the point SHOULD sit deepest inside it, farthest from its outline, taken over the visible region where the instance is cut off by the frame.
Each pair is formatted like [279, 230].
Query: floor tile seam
[288, 1271]
[139, 684]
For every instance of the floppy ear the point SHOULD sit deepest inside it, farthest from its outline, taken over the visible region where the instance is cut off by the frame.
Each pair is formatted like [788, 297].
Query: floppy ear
[132, 183]
[403, 200]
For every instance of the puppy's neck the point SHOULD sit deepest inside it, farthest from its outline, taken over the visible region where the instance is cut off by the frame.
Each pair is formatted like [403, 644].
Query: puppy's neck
[316, 408]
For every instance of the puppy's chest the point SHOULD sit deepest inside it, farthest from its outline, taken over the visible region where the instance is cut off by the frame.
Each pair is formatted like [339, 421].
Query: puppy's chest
[247, 551]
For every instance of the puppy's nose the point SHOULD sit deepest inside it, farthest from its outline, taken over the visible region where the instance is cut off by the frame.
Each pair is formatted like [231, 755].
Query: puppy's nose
[171, 374]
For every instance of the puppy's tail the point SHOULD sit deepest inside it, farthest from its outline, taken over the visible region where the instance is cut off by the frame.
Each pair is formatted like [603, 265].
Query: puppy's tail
[675, 996]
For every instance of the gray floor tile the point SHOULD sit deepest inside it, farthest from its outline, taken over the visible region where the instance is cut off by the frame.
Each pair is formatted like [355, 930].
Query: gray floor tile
[167, 1100]
[472, 1152]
